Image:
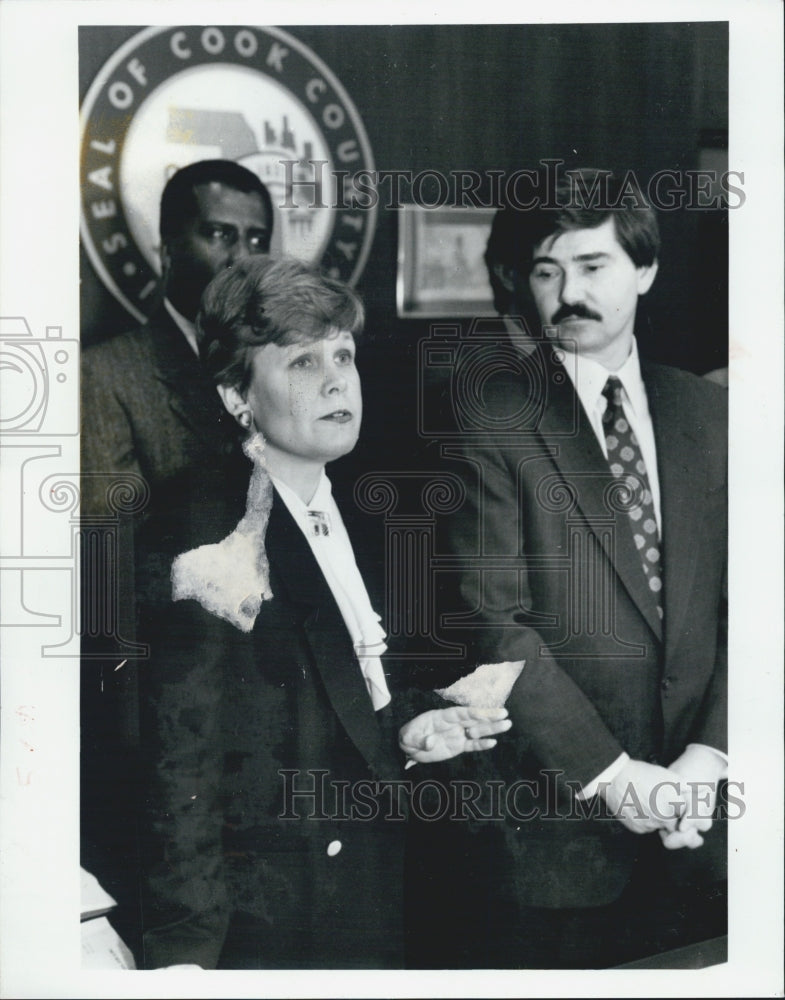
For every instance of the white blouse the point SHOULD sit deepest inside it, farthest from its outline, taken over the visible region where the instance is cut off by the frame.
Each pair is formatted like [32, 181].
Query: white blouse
[321, 523]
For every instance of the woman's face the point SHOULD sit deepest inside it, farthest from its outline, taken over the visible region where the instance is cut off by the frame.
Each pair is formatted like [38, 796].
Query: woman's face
[306, 399]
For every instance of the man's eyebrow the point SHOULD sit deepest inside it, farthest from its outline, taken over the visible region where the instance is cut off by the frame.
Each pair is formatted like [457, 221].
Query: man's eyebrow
[582, 257]
[597, 255]
[232, 225]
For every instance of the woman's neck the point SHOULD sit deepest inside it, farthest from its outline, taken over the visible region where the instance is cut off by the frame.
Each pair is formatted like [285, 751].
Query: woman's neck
[301, 476]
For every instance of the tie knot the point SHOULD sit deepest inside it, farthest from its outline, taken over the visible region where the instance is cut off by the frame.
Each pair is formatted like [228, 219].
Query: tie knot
[613, 391]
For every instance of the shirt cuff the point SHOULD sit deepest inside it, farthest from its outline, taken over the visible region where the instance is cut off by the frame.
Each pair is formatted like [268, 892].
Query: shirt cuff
[720, 754]
[604, 777]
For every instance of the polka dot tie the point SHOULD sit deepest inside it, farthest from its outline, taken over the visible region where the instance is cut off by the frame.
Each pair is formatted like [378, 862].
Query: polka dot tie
[626, 462]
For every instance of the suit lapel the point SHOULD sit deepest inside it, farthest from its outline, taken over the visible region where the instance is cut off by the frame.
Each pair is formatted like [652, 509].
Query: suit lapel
[190, 393]
[359, 526]
[298, 571]
[681, 466]
[576, 453]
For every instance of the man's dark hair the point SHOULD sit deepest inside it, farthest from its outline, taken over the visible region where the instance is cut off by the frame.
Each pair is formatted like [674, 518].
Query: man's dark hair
[178, 201]
[583, 199]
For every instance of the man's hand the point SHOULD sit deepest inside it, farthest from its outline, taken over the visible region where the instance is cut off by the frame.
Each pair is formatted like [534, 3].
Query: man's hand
[700, 770]
[446, 732]
[645, 797]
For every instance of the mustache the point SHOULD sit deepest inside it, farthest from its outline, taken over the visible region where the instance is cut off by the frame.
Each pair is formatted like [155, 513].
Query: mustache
[578, 310]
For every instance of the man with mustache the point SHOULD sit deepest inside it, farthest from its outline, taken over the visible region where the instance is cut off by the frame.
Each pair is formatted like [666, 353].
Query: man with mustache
[594, 541]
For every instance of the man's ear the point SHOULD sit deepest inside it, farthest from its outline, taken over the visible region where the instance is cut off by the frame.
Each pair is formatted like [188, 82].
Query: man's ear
[646, 276]
[504, 274]
[233, 400]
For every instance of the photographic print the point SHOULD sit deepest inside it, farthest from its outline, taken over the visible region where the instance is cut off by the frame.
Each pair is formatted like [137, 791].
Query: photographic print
[382, 484]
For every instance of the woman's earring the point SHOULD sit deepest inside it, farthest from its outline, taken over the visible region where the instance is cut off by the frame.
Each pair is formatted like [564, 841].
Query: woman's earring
[244, 420]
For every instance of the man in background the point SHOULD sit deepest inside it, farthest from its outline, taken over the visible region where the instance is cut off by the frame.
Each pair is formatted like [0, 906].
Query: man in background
[153, 426]
[148, 409]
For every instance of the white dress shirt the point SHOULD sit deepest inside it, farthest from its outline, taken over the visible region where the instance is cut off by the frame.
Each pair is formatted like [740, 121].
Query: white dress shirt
[335, 556]
[187, 328]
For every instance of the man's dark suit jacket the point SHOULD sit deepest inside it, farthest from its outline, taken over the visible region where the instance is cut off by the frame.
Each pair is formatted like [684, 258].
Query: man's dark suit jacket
[148, 410]
[152, 425]
[559, 584]
[226, 881]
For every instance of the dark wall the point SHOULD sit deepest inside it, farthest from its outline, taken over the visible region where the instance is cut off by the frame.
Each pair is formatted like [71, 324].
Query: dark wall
[501, 97]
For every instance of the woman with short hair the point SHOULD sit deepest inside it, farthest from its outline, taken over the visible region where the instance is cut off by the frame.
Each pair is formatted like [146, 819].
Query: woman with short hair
[273, 828]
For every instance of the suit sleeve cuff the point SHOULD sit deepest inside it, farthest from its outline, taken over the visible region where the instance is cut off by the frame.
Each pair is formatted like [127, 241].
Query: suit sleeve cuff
[604, 777]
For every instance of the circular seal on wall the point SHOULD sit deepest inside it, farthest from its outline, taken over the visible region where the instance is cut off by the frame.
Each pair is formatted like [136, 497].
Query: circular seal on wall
[170, 96]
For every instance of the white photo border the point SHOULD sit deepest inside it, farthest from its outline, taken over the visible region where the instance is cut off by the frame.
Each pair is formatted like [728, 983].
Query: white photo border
[39, 281]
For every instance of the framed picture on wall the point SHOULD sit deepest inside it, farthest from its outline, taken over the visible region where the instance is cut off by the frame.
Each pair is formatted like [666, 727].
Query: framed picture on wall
[441, 270]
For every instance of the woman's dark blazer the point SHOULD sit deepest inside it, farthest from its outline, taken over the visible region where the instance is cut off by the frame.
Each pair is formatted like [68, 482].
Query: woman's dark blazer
[237, 874]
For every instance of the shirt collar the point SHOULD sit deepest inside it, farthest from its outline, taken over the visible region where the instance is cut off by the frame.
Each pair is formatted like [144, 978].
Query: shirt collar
[630, 377]
[321, 500]
[589, 378]
[187, 328]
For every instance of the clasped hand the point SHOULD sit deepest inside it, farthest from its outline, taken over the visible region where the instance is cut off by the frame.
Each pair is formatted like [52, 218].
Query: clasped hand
[446, 732]
[677, 802]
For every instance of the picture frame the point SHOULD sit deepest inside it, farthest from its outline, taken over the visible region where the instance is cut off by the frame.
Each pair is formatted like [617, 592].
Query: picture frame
[441, 266]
